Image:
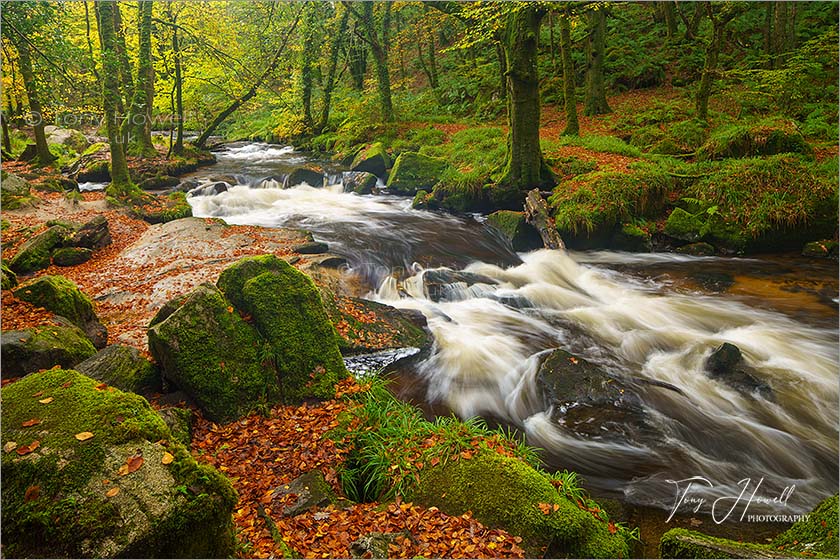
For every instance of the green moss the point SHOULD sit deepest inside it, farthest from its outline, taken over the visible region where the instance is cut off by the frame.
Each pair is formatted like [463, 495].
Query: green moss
[513, 227]
[71, 515]
[683, 225]
[766, 137]
[288, 311]
[9, 278]
[14, 192]
[373, 159]
[211, 353]
[631, 238]
[505, 492]
[71, 256]
[820, 249]
[421, 200]
[122, 367]
[173, 207]
[381, 321]
[59, 295]
[35, 254]
[44, 347]
[233, 278]
[817, 533]
[413, 172]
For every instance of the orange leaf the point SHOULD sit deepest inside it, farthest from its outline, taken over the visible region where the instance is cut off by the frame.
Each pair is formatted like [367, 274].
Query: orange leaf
[65, 385]
[434, 462]
[38, 394]
[32, 493]
[112, 492]
[30, 423]
[26, 449]
[545, 508]
[101, 386]
[612, 528]
[48, 400]
[134, 463]
[84, 436]
[230, 309]
[167, 458]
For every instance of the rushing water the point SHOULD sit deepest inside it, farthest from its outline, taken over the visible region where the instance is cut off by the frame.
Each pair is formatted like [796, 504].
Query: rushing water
[654, 317]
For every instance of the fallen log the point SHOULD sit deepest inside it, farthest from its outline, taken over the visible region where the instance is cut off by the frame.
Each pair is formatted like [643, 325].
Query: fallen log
[536, 214]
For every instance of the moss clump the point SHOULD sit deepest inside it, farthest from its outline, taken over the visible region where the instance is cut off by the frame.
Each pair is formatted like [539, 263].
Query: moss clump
[98, 171]
[512, 225]
[163, 209]
[43, 347]
[683, 225]
[631, 238]
[820, 249]
[413, 172]
[34, 254]
[71, 256]
[59, 295]
[9, 278]
[54, 499]
[764, 138]
[373, 159]
[233, 278]
[122, 367]
[816, 534]
[14, 192]
[423, 200]
[212, 354]
[288, 311]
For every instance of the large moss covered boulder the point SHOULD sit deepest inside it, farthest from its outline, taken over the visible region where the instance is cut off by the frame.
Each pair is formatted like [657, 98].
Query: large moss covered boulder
[63, 297]
[42, 348]
[90, 473]
[14, 192]
[505, 492]
[95, 234]
[122, 367]
[301, 175]
[35, 253]
[208, 351]
[359, 182]
[684, 226]
[513, 227]
[413, 172]
[764, 138]
[373, 159]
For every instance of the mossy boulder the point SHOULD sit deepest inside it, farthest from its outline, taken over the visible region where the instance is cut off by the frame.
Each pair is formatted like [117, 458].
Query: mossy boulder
[66, 498]
[359, 182]
[631, 238]
[173, 206]
[373, 159]
[413, 172]
[207, 350]
[506, 492]
[288, 311]
[122, 367]
[700, 249]
[35, 253]
[66, 137]
[64, 298]
[300, 175]
[95, 171]
[765, 138]
[424, 200]
[513, 227]
[180, 423]
[158, 182]
[42, 348]
[232, 279]
[812, 537]
[684, 226]
[14, 192]
[71, 256]
[820, 249]
[9, 278]
[369, 326]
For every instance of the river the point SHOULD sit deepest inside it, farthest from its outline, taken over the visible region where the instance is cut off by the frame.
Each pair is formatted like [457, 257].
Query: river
[655, 317]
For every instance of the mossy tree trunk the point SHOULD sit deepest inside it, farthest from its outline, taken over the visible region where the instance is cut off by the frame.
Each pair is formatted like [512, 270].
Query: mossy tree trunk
[124, 67]
[670, 17]
[596, 97]
[138, 122]
[30, 83]
[378, 44]
[357, 59]
[178, 148]
[525, 167]
[569, 96]
[120, 179]
[336, 45]
[727, 12]
[308, 57]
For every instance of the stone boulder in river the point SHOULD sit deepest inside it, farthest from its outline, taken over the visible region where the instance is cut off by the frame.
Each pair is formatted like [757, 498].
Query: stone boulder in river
[63, 297]
[413, 172]
[359, 182]
[727, 365]
[373, 159]
[301, 175]
[91, 473]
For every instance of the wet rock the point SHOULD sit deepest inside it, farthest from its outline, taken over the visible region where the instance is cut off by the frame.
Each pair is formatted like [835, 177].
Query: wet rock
[35, 253]
[95, 234]
[327, 260]
[713, 281]
[697, 249]
[442, 284]
[63, 297]
[359, 182]
[631, 238]
[384, 326]
[209, 190]
[42, 348]
[373, 159]
[186, 186]
[122, 367]
[311, 490]
[588, 401]
[229, 179]
[514, 228]
[95, 171]
[311, 248]
[683, 226]
[374, 545]
[71, 256]
[158, 183]
[206, 349]
[820, 249]
[413, 172]
[727, 365]
[14, 192]
[301, 175]
[79, 507]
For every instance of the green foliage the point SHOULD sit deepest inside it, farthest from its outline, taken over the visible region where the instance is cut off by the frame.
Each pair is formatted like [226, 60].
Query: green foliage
[597, 143]
[763, 137]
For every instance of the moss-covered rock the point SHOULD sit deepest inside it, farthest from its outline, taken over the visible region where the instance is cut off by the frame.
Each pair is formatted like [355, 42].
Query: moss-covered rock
[180, 423]
[368, 326]
[505, 492]
[514, 228]
[700, 249]
[820, 249]
[158, 182]
[764, 138]
[413, 172]
[207, 350]
[816, 534]
[64, 298]
[42, 348]
[373, 159]
[683, 226]
[66, 137]
[14, 192]
[71, 256]
[9, 278]
[67, 499]
[96, 170]
[173, 206]
[424, 200]
[631, 238]
[232, 279]
[93, 235]
[299, 175]
[288, 311]
[122, 367]
[359, 182]
[35, 253]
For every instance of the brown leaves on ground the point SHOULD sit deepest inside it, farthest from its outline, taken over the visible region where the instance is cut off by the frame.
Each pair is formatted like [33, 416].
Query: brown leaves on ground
[132, 464]
[84, 436]
[260, 454]
[16, 314]
[27, 449]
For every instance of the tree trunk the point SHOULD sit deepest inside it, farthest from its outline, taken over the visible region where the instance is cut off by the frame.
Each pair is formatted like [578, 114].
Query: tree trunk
[42, 150]
[551, 48]
[433, 71]
[138, 122]
[90, 43]
[308, 57]
[500, 55]
[357, 61]
[124, 69]
[178, 149]
[329, 85]
[595, 97]
[709, 71]
[537, 214]
[120, 180]
[525, 167]
[379, 48]
[7, 141]
[238, 102]
[670, 17]
[569, 95]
